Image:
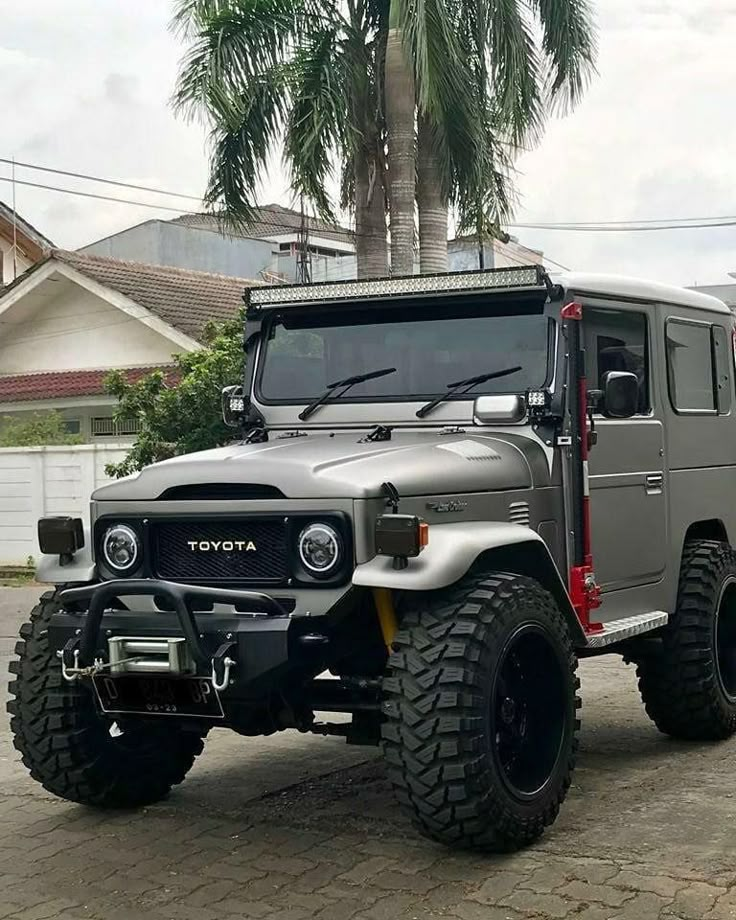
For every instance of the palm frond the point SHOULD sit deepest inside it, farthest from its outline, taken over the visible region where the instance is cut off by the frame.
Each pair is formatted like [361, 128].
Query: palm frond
[516, 70]
[240, 148]
[569, 44]
[233, 41]
[317, 124]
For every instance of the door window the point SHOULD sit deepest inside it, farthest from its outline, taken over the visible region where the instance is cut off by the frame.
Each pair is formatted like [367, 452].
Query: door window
[616, 340]
[691, 366]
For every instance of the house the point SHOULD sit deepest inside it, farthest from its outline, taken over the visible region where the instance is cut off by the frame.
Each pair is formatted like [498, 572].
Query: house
[269, 246]
[71, 318]
[20, 245]
[724, 292]
[464, 254]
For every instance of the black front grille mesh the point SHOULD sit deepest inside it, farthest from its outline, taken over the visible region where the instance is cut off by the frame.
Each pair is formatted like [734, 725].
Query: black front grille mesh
[210, 551]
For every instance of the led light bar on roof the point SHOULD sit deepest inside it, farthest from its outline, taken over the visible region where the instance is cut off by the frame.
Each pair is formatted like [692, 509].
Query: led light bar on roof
[524, 277]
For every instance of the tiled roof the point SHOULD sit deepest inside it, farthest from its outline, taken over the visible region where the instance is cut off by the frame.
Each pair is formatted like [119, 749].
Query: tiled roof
[270, 220]
[67, 384]
[184, 299]
[24, 228]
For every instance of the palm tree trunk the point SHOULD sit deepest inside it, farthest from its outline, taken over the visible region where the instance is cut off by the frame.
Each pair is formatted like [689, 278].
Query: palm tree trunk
[370, 216]
[431, 201]
[399, 109]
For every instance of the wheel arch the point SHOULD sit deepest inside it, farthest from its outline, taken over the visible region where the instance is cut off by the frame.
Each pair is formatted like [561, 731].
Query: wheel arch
[455, 549]
[534, 560]
[711, 529]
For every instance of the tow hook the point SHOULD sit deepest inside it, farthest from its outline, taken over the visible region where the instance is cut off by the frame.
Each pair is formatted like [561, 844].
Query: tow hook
[70, 669]
[222, 662]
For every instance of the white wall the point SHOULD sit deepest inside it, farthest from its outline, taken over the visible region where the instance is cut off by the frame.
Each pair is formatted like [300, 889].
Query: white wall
[38, 481]
[76, 330]
[6, 261]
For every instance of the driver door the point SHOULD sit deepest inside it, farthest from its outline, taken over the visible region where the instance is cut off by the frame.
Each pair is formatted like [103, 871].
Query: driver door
[626, 467]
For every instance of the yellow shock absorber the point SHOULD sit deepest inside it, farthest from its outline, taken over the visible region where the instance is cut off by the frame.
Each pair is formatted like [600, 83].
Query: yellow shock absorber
[386, 615]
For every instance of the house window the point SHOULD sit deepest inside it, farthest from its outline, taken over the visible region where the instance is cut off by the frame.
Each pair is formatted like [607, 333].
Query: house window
[72, 425]
[107, 426]
[690, 366]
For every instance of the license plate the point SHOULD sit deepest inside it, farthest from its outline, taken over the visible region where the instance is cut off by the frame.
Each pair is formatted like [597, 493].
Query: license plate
[158, 696]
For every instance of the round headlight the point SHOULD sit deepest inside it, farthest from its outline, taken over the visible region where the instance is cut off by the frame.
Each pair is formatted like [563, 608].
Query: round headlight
[319, 548]
[121, 547]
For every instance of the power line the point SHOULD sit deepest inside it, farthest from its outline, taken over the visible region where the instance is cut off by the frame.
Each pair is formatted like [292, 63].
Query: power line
[639, 228]
[627, 223]
[265, 221]
[66, 332]
[620, 226]
[69, 191]
[75, 175]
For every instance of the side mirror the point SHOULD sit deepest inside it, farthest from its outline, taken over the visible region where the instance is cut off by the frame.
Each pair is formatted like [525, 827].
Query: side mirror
[620, 394]
[233, 406]
[490, 410]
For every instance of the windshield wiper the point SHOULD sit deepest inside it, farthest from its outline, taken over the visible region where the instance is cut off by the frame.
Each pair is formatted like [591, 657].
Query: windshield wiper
[347, 383]
[465, 386]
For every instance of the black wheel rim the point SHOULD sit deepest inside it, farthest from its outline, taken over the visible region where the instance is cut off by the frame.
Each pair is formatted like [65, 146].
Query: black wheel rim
[529, 711]
[726, 639]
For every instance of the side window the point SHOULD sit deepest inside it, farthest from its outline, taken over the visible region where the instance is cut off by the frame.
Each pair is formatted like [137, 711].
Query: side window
[699, 379]
[722, 354]
[616, 340]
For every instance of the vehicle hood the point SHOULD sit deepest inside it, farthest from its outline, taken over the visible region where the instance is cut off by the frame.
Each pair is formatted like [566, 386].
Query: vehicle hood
[346, 466]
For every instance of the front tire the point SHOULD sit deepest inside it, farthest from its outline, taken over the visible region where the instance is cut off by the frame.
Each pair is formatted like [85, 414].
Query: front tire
[689, 685]
[481, 701]
[68, 746]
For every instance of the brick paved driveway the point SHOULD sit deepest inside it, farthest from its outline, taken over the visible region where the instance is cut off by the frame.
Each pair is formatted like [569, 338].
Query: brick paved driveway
[297, 827]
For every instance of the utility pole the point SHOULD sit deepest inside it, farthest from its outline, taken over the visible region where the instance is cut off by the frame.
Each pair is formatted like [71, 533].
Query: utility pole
[303, 258]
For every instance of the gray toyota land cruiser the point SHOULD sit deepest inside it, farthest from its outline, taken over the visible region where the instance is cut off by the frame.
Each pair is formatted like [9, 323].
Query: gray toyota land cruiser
[444, 492]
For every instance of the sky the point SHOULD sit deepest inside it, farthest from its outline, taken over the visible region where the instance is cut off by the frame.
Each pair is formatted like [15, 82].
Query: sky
[654, 137]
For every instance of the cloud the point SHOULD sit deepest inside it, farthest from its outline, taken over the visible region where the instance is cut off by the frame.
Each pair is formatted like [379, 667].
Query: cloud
[653, 138]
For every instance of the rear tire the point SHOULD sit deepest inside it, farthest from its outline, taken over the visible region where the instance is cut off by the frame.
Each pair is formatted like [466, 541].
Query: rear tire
[481, 703]
[67, 744]
[689, 685]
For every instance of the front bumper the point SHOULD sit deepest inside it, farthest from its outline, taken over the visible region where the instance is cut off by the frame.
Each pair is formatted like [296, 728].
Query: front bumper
[257, 643]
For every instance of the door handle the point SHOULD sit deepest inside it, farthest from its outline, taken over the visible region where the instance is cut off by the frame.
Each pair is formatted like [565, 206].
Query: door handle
[654, 483]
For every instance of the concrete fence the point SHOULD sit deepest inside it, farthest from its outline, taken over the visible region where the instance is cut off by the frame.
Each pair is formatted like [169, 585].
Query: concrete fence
[36, 481]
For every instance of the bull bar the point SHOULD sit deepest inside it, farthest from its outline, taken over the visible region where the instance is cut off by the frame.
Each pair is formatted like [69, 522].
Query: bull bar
[80, 650]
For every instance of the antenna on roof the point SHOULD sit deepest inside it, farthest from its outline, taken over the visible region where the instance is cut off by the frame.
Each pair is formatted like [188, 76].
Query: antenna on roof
[15, 224]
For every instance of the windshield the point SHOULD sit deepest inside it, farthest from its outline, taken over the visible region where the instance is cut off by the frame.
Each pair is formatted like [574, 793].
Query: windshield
[306, 352]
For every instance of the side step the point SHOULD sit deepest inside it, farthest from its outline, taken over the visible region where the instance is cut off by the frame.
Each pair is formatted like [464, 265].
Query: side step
[627, 628]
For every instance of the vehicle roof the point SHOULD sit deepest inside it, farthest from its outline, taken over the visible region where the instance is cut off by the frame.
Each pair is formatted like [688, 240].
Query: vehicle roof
[638, 289]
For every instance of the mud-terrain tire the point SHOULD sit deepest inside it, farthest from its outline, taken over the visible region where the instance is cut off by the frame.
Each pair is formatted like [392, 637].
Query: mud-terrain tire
[460, 696]
[68, 746]
[689, 685]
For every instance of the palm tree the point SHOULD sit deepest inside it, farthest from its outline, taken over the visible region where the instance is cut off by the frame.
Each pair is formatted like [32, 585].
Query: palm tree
[483, 86]
[400, 108]
[296, 74]
[448, 87]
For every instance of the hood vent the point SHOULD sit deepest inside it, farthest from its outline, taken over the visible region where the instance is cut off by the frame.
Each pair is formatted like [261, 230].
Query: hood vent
[221, 492]
[519, 513]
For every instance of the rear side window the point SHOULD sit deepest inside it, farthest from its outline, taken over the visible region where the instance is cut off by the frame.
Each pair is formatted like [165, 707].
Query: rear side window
[697, 366]
[722, 357]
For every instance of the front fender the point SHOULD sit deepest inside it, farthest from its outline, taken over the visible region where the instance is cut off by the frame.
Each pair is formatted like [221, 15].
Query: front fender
[80, 569]
[454, 548]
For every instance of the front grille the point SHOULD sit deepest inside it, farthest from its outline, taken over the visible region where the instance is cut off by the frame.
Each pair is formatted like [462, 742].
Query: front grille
[224, 550]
